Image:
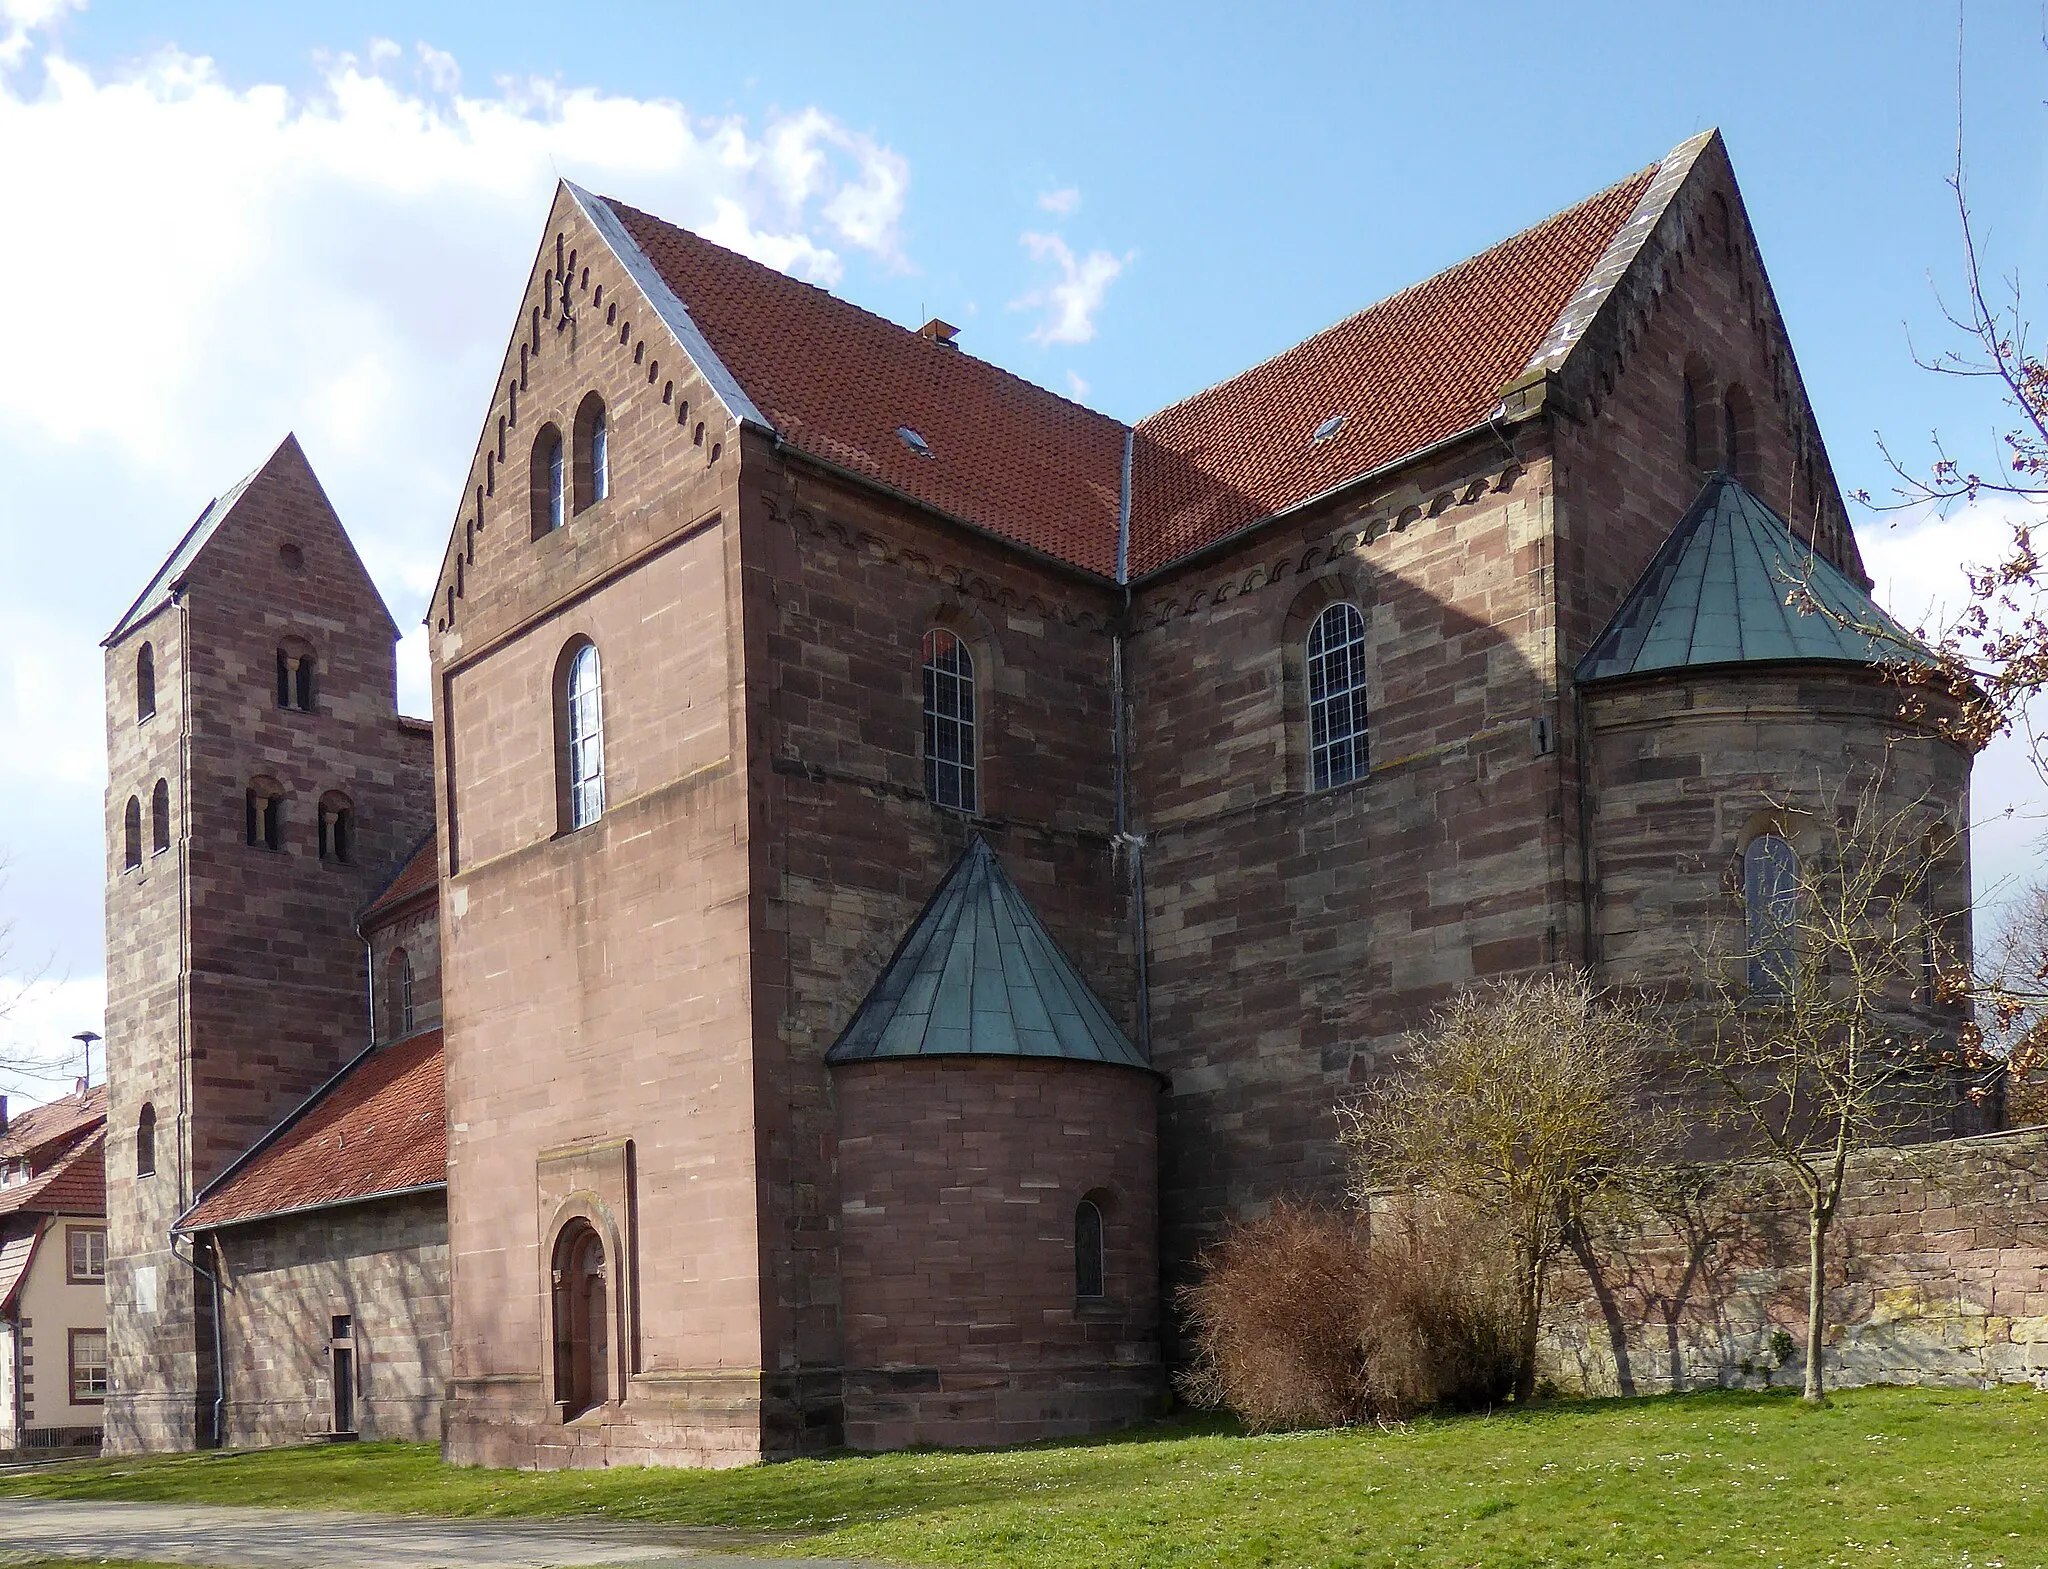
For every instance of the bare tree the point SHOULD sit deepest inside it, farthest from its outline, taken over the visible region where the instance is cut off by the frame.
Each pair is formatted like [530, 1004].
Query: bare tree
[1822, 1032]
[1523, 1103]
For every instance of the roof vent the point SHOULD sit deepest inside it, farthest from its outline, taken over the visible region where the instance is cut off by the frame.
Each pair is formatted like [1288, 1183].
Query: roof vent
[943, 333]
[1327, 429]
[914, 441]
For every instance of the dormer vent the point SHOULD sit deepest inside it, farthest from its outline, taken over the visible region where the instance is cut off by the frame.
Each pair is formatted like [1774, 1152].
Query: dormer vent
[943, 333]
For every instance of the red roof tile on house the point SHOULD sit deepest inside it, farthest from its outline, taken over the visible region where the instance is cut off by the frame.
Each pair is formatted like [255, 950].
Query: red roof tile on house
[420, 874]
[76, 1184]
[381, 1127]
[1425, 364]
[837, 382]
[53, 1123]
[17, 1249]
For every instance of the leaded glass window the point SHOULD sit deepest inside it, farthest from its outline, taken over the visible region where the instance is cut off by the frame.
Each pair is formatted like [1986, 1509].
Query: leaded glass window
[1770, 898]
[1336, 697]
[585, 709]
[948, 721]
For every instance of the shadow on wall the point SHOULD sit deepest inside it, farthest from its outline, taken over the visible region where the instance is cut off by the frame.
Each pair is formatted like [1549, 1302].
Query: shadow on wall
[1938, 1274]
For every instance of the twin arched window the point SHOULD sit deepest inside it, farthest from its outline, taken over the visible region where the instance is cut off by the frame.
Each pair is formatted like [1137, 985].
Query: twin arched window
[1335, 671]
[263, 814]
[581, 730]
[1770, 904]
[949, 772]
[295, 670]
[337, 828]
[145, 683]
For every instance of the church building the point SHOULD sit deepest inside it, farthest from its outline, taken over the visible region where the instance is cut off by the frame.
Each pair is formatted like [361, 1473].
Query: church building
[910, 855]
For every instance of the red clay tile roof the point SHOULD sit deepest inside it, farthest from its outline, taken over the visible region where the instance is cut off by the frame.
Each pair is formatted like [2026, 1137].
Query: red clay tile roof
[837, 382]
[421, 871]
[41, 1127]
[17, 1248]
[381, 1127]
[75, 1185]
[1026, 464]
[1417, 367]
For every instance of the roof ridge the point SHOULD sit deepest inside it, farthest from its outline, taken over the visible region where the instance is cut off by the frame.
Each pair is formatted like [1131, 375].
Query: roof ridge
[1442, 273]
[875, 316]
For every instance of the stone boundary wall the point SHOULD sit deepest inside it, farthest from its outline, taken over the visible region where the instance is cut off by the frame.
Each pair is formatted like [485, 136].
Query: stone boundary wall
[1937, 1274]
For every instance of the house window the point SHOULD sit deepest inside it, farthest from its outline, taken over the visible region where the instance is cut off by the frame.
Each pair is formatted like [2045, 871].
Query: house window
[1770, 899]
[131, 835]
[160, 817]
[548, 482]
[581, 1318]
[583, 739]
[88, 1366]
[1336, 697]
[593, 464]
[295, 677]
[145, 1142]
[337, 828]
[86, 1250]
[145, 683]
[948, 722]
[263, 814]
[1088, 1249]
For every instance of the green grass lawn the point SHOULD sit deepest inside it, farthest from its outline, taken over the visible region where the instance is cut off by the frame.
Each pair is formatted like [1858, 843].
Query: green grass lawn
[1879, 1477]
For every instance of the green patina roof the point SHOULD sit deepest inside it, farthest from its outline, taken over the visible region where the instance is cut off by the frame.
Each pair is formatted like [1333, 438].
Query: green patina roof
[978, 976]
[1729, 587]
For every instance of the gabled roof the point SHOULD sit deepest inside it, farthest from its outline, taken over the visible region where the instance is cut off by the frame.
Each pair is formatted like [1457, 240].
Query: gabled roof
[418, 875]
[167, 577]
[53, 1122]
[836, 382]
[1406, 373]
[1732, 585]
[841, 385]
[75, 1184]
[977, 975]
[377, 1128]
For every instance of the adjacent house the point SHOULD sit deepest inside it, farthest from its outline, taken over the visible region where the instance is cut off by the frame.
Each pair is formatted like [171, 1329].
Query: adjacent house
[53, 1270]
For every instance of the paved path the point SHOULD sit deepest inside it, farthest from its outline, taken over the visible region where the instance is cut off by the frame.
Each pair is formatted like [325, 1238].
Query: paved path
[222, 1538]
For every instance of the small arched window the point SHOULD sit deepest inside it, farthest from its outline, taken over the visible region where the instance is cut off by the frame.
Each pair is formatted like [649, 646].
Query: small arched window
[1689, 407]
[582, 738]
[1770, 902]
[160, 817]
[337, 828]
[295, 673]
[131, 834]
[1336, 697]
[1737, 434]
[263, 820]
[145, 683]
[949, 720]
[405, 1006]
[1088, 1273]
[145, 1142]
[548, 482]
[593, 463]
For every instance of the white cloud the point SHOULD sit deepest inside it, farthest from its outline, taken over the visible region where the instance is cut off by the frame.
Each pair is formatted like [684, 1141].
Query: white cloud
[1071, 299]
[1076, 385]
[218, 262]
[1063, 203]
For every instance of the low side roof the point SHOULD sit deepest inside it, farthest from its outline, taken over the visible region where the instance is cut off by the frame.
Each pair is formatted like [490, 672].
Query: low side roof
[53, 1122]
[978, 975]
[378, 1127]
[76, 1184]
[1731, 586]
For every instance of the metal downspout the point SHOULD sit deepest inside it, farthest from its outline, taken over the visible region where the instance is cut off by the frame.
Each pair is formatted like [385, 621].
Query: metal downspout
[220, 1374]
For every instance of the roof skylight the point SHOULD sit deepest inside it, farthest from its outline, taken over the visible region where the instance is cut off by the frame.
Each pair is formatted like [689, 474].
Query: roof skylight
[1327, 429]
[914, 441]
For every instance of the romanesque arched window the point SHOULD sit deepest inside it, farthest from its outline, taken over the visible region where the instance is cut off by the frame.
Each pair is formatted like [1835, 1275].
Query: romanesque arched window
[581, 731]
[581, 1314]
[295, 675]
[160, 817]
[1689, 412]
[263, 813]
[1336, 697]
[145, 1142]
[548, 481]
[337, 828]
[145, 683]
[1088, 1261]
[131, 834]
[1738, 434]
[949, 722]
[1770, 903]
[593, 462]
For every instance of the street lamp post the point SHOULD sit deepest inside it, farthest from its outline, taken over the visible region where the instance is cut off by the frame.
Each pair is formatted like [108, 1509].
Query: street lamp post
[85, 1038]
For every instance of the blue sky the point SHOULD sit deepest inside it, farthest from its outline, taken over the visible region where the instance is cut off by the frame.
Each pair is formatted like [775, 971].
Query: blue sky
[234, 219]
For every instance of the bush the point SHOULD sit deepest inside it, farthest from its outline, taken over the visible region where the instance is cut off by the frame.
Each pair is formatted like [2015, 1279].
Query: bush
[1301, 1320]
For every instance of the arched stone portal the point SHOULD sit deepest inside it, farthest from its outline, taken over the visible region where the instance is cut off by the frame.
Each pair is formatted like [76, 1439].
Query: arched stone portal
[581, 1308]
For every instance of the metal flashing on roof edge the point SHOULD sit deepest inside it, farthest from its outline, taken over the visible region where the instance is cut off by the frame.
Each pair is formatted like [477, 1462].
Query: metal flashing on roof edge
[669, 306]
